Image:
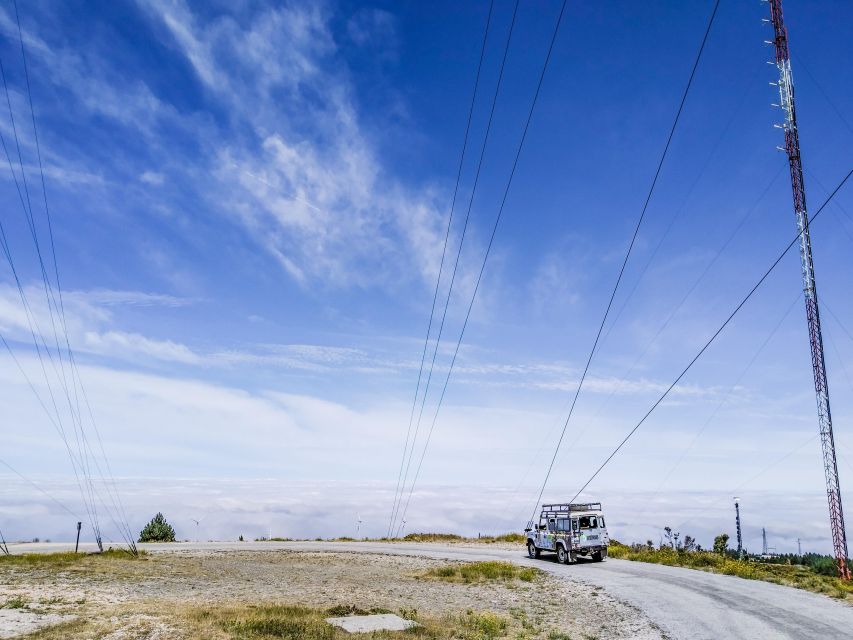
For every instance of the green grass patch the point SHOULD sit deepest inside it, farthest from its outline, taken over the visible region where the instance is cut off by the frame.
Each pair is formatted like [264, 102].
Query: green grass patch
[65, 558]
[790, 575]
[490, 571]
[290, 622]
[506, 537]
[432, 537]
[15, 601]
[341, 610]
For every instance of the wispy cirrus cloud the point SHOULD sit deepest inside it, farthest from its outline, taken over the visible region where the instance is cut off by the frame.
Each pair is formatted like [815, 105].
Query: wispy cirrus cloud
[302, 178]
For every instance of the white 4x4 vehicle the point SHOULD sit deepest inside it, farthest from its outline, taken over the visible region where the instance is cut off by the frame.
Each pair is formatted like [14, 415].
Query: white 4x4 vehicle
[569, 530]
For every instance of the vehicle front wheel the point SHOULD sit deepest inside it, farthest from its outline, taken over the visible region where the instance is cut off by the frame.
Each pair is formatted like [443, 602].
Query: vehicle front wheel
[562, 556]
[532, 551]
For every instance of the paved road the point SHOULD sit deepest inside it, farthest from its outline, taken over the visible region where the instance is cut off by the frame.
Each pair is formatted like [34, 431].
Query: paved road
[684, 603]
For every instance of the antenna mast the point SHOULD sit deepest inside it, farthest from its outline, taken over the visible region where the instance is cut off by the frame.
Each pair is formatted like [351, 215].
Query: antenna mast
[737, 526]
[824, 416]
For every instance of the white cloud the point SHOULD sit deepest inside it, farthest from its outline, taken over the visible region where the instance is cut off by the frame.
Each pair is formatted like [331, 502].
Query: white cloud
[129, 345]
[371, 26]
[152, 177]
[308, 187]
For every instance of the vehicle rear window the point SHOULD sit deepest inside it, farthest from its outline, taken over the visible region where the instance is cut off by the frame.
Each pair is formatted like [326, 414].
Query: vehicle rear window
[588, 522]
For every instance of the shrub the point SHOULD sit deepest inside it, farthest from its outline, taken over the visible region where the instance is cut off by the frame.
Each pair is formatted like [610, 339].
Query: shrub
[489, 571]
[487, 624]
[432, 537]
[158, 530]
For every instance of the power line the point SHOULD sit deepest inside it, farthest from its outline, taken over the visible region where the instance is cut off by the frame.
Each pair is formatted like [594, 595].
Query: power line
[628, 252]
[489, 246]
[659, 331]
[115, 497]
[712, 338]
[85, 451]
[683, 300]
[680, 209]
[751, 479]
[441, 264]
[38, 488]
[462, 236]
[837, 321]
[725, 398]
[35, 330]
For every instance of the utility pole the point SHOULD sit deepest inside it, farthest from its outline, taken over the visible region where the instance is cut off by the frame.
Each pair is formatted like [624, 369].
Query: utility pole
[77, 544]
[799, 548]
[763, 541]
[737, 525]
[824, 415]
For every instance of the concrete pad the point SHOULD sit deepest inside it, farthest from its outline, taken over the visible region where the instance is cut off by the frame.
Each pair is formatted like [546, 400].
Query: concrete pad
[17, 622]
[377, 622]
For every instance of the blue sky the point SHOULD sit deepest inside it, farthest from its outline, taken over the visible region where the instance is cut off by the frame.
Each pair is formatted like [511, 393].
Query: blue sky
[249, 201]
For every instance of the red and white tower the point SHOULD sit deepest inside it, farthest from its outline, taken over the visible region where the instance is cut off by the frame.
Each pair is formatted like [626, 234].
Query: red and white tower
[824, 416]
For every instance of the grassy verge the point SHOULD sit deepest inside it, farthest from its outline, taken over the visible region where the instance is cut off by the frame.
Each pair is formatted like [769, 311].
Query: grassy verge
[491, 571]
[413, 537]
[281, 622]
[789, 575]
[266, 622]
[64, 558]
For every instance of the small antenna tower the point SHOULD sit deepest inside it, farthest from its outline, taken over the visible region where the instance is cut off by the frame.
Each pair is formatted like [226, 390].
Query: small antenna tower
[799, 548]
[737, 525]
[763, 541]
[824, 415]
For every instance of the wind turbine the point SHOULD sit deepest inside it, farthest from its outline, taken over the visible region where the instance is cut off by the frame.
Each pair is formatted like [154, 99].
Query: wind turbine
[358, 525]
[196, 528]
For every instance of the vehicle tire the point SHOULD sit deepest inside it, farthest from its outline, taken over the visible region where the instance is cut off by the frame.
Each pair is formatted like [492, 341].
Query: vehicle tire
[562, 555]
[532, 551]
[597, 556]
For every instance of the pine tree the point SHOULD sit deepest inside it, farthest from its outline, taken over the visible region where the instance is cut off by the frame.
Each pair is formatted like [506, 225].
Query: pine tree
[158, 530]
[721, 543]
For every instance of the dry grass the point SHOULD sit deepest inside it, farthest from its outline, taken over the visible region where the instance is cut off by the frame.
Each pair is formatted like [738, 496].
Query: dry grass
[272, 622]
[510, 537]
[65, 558]
[256, 595]
[491, 571]
[789, 575]
[506, 537]
[433, 537]
[268, 622]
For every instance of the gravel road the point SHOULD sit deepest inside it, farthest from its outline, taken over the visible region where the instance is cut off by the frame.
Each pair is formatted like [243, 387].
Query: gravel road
[683, 603]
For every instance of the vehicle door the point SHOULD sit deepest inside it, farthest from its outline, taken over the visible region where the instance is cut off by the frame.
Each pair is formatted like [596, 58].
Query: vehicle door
[590, 536]
[548, 536]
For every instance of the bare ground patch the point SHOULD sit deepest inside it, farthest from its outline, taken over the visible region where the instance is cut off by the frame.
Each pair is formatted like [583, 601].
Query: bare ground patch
[181, 594]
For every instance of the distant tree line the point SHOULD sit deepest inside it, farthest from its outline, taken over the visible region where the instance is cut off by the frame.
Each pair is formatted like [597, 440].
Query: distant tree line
[818, 563]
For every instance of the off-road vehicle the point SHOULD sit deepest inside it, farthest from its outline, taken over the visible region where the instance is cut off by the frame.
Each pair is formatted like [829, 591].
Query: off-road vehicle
[571, 531]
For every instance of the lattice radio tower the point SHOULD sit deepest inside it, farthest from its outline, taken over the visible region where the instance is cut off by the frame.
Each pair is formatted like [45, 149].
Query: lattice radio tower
[824, 416]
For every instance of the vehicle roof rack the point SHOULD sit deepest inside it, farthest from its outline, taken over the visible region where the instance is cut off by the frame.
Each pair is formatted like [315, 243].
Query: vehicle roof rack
[554, 510]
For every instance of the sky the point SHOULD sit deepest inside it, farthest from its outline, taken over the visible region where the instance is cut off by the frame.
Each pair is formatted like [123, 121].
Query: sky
[249, 201]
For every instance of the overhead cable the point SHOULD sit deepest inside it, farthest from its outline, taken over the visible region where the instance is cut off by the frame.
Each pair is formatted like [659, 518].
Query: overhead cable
[489, 246]
[628, 252]
[441, 264]
[712, 338]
